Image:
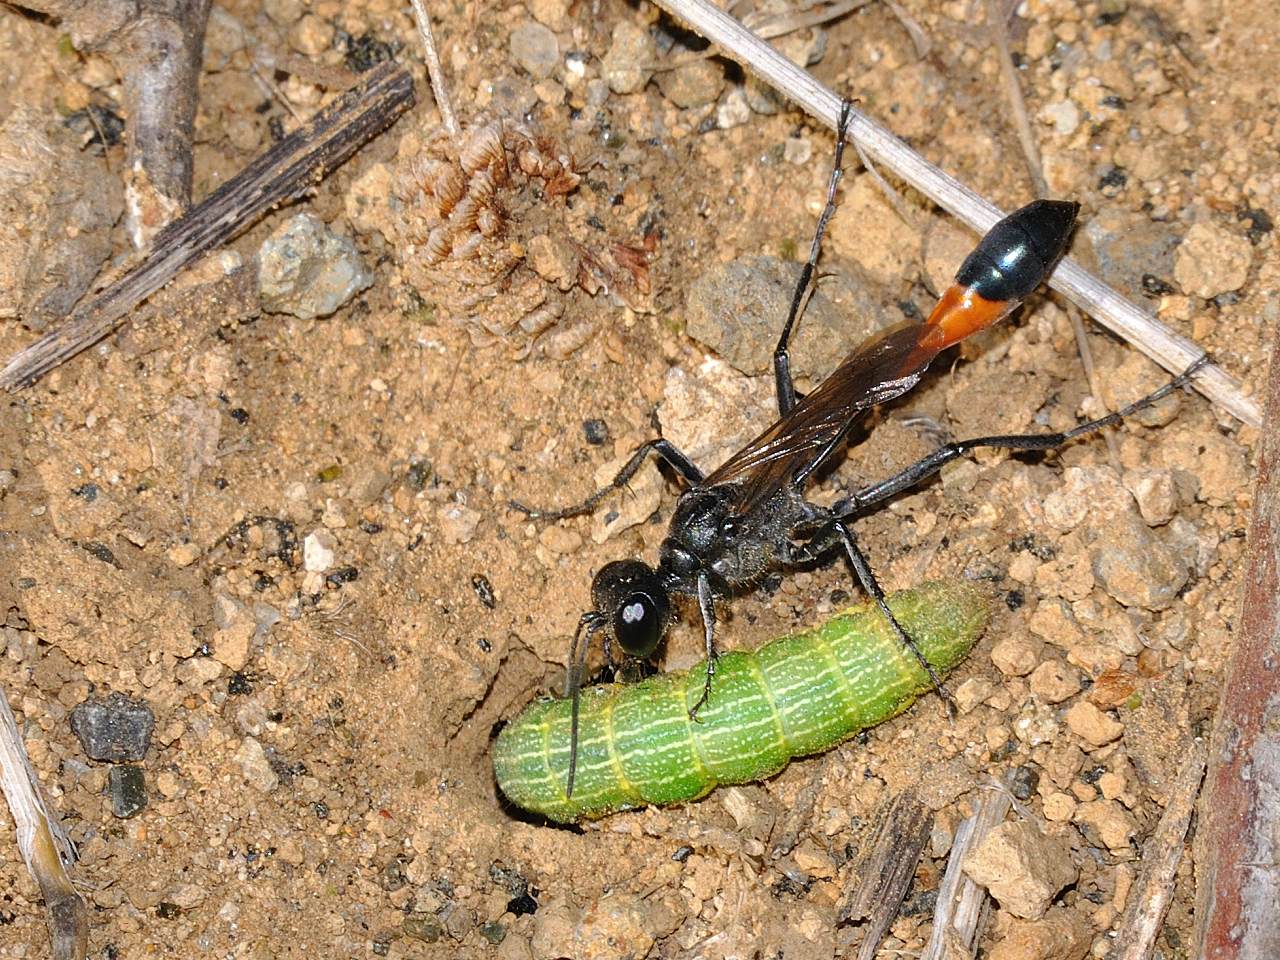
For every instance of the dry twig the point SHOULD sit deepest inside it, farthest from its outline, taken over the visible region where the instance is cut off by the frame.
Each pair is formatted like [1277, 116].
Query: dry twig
[284, 172]
[1172, 351]
[157, 47]
[45, 849]
[1149, 899]
[434, 70]
[960, 900]
[878, 884]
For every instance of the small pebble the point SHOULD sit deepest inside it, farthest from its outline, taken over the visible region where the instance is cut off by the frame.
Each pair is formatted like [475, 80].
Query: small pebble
[1022, 868]
[692, 85]
[554, 13]
[255, 767]
[127, 787]
[187, 896]
[1092, 725]
[425, 927]
[554, 260]
[283, 12]
[1106, 821]
[627, 66]
[1156, 493]
[1093, 493]
[1063, 115]
[312, 35]
[1054, 681]
[1025, 780]
[733, 308]
[458, 523]
[307, 270]
[318, 550]
[114, 728]
[733, 110]
[560, 540]
[535, 48]
[1062, 934]
[595, 431]
[183, 554]
[797, 150]
[1172, 113]
[1135, 566]
[1212, 261]
[1111, 785]
[615, 926]
[1016, 655]
[972, 693]
[1059, 807]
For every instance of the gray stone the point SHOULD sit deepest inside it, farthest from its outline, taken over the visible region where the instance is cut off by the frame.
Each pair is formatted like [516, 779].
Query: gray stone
[1135, 566]
[692, 85]
[738, 309]
[1131, 246]
[127, 787]
[535, 48]
[113, 728]
[628, 63]
[307, 270]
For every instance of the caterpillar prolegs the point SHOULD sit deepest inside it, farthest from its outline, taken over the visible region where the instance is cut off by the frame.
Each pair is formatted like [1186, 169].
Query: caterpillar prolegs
[798, 695]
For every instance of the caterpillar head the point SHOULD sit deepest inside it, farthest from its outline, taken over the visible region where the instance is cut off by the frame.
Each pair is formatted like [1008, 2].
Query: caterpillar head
[631, 596]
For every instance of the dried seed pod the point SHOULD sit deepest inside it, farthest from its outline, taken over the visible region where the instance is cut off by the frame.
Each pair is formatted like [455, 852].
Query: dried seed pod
[482, 149]
[439, 244]
[449, 188]
[464, 214]
[489, 222]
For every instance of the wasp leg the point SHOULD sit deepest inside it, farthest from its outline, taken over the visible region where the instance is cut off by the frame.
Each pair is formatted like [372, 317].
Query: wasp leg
[928, 466]
[660, 447]
[872, 586]
[706, 604]
[784, 385]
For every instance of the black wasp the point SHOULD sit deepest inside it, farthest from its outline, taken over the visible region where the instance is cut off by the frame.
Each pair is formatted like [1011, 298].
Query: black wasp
[749, 516]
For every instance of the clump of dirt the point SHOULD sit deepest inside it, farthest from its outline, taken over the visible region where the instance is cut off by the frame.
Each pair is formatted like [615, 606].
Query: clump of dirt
[291, 539]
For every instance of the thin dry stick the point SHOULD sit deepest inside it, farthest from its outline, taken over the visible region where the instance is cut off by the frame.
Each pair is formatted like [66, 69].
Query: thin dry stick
[45, 848]
[1149, 899]
[997, 18]
[289, 169]
[434, 71]
[874, 891]
[1172, 351]
[960, 900]
[767, 27]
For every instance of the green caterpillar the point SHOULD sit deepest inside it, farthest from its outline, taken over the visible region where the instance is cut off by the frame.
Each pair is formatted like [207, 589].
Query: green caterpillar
[797, 695]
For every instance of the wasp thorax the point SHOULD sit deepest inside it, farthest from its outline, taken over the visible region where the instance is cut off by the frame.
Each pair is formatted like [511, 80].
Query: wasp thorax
[631, 594]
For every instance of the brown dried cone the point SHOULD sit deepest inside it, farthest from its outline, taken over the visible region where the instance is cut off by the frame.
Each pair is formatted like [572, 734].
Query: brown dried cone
[482, 231]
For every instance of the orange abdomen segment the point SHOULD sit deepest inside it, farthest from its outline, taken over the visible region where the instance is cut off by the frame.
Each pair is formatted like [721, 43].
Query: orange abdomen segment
[961, 311]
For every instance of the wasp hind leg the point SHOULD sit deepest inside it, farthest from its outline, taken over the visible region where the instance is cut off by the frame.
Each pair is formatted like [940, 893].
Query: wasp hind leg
[928, 466]
[707, 606]
[838, 532]
[784, 385]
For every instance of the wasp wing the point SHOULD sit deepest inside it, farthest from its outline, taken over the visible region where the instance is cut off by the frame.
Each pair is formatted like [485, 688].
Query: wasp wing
[796, 444]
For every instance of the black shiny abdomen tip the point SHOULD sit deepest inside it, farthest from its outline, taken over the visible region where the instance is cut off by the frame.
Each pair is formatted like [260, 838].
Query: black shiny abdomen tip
[1020, 251]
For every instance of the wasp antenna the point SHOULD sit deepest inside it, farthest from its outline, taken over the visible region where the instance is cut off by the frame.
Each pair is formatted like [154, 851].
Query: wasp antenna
[591, 621]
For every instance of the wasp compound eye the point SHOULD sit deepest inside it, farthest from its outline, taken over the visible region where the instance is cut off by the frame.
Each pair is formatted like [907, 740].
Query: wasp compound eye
[633, 596]
[638, 623]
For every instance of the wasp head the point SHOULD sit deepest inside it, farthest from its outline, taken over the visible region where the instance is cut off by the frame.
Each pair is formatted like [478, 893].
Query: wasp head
[631, 595]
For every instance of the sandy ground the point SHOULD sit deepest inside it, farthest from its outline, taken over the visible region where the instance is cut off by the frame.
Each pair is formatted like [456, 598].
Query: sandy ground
[319, 781]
